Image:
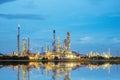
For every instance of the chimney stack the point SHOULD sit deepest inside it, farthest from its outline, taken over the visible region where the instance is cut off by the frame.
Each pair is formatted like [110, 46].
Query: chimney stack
[18, 40]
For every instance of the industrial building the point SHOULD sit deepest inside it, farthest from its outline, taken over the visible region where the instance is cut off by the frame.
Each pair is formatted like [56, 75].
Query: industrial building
[58, 51]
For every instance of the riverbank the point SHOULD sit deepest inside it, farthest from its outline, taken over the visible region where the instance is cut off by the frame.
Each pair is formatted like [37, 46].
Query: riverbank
[60, 60]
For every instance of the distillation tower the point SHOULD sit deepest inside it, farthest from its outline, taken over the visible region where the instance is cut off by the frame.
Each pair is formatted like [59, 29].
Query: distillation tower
[68, 41]
[59, 46]
[24, 49]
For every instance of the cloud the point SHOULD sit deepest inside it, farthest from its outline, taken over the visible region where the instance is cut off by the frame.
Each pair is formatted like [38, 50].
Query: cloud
[22, 16]
[116, 40]
[5, 1]
[114, 15]
[112, 39]
[85, 39]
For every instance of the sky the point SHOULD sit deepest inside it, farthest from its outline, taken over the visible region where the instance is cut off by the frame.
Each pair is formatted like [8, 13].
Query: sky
[94, 24]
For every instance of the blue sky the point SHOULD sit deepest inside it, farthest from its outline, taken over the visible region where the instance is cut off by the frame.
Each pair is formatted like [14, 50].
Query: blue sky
[94, 24]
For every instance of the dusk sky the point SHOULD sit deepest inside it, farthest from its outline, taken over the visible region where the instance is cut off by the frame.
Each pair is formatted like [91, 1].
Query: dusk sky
[94, 24]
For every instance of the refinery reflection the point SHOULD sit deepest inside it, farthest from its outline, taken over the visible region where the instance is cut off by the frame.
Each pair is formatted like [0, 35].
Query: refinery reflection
[58, 69]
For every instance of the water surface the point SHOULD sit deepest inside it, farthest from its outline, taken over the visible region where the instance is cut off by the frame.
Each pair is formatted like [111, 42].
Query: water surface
[59, 71]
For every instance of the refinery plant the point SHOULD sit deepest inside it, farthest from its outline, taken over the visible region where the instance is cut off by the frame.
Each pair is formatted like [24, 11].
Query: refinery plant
[58, 51]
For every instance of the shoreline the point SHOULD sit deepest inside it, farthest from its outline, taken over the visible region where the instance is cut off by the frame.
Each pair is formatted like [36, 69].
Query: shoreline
[59, 60]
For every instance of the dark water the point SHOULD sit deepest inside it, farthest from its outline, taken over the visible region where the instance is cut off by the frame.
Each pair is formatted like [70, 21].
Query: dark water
[59, 71]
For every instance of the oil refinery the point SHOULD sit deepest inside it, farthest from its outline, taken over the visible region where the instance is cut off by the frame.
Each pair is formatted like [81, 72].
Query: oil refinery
[58, 51]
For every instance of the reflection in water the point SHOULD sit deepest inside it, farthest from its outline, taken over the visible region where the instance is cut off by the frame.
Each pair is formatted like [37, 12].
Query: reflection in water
[24, 72]
[58, 70]
[104, 66]
[18, 73]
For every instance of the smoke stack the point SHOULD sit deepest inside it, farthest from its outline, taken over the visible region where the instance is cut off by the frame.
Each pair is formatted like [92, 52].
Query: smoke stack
[18, 40]
[54, 34]
[54, 41]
